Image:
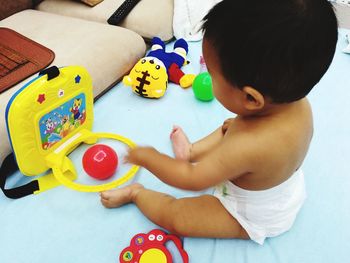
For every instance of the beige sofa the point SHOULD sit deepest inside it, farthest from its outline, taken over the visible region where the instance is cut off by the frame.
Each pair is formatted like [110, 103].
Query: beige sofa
[80, 35]
[148, 18]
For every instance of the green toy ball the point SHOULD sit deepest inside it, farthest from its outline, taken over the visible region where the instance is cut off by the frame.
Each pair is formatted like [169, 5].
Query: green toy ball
[202, 87]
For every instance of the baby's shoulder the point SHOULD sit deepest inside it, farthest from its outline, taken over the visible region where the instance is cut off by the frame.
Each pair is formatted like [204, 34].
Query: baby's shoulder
[293, 128]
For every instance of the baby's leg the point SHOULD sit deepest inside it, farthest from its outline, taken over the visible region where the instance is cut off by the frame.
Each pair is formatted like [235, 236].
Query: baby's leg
[184, 150]
[202, 216]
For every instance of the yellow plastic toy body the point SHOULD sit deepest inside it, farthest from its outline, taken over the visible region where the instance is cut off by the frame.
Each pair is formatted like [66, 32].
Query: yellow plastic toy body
[44, 115]
[48, 119]
[148, 78]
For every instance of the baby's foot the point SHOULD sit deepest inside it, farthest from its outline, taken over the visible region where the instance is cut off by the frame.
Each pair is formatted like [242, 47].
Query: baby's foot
[181, 144]
[120, 196]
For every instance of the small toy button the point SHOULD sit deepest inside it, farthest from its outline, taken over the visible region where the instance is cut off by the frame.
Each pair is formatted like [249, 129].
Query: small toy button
[139, 240]
[127, 256]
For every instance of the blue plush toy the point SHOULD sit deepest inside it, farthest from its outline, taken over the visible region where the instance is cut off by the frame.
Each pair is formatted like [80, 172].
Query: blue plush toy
[173, 61]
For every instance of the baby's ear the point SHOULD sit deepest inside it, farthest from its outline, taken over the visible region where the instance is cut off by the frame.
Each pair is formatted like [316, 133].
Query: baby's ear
[254, 100]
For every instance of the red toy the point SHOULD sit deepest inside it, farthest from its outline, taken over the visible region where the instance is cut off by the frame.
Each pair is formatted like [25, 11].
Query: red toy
[100, 161]
[150, 248]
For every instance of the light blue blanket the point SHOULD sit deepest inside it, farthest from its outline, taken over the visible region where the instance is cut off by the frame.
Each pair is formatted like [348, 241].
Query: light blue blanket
[62, 225]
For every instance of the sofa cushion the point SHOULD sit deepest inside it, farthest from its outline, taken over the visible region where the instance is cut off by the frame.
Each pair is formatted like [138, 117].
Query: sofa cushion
[148, 18]
[108, 52]
[90, 2]
[8, 8]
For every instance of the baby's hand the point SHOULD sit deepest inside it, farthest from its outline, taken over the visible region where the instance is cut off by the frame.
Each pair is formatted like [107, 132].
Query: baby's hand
[138, 155]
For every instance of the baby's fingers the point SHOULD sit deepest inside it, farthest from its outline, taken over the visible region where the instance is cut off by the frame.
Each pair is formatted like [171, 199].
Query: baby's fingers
[127, 157]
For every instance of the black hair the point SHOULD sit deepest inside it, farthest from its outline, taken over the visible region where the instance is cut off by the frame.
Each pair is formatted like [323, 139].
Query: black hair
[282, 48]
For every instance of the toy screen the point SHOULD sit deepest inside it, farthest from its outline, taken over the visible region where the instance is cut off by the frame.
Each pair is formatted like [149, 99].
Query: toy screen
[62, 121]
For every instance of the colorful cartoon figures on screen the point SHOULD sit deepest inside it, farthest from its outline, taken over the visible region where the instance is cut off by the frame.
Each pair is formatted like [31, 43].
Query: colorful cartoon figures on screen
[150, 75]
[100, 161]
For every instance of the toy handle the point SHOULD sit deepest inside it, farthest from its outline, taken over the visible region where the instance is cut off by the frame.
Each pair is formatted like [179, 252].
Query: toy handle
[179, 247]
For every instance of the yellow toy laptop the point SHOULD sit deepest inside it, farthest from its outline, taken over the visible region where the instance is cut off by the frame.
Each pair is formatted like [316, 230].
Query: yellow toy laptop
[46, 120]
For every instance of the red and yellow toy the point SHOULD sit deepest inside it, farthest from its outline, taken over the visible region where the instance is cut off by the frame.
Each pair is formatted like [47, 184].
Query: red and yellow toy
[150, 75]
[150, 248]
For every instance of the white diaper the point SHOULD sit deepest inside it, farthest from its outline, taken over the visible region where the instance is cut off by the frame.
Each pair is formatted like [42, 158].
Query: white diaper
[265, 213]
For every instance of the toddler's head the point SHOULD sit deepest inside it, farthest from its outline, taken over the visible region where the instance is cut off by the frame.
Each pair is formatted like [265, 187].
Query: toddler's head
[280, 48]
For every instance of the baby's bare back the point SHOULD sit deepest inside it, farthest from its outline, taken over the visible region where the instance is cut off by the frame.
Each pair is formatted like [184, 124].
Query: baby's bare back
[279, 141]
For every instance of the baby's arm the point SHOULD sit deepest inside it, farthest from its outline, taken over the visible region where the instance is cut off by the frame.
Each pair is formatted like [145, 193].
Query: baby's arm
[204, 146]
[218, 165]
[194, 152]
[169, 170]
